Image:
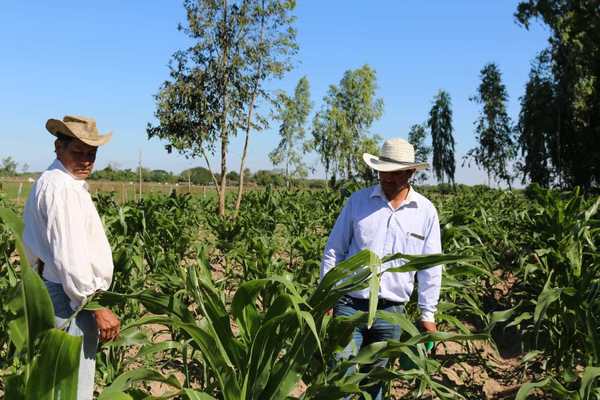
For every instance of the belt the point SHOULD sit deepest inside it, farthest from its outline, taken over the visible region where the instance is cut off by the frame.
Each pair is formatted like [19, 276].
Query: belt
[40, 267]
[381, 303]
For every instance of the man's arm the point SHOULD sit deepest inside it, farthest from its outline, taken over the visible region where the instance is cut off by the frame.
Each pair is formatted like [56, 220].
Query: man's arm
[68, 244]
[430, 280]
[71, 256]
[338, 243]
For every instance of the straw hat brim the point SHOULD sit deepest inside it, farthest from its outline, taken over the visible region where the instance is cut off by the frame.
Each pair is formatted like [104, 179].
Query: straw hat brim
[390, 166]
[56, 126]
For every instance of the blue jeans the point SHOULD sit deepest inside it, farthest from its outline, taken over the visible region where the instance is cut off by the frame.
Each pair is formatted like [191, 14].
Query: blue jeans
[380, 331]
[83, 325]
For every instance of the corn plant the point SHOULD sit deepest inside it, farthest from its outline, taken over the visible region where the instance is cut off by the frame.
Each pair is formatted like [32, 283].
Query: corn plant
[45, 360]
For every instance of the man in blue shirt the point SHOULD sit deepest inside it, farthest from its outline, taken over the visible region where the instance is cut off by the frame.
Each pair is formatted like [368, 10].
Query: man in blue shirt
[388, 218]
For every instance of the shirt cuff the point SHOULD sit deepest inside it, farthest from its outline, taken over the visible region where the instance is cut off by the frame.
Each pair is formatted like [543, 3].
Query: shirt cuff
[427, 316]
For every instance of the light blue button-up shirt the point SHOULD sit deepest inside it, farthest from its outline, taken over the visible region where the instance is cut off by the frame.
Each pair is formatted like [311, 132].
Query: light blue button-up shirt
[368, 221]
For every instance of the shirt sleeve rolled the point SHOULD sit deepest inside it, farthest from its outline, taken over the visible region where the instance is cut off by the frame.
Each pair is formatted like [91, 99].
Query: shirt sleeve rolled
[68, 242]
[430, 280]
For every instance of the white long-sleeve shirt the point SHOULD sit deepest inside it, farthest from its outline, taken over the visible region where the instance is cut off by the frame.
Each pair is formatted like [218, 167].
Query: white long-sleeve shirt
[368, 221]
[64, 231]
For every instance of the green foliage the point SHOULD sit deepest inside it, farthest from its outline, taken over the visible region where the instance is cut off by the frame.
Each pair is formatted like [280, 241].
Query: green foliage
[227, 304]
[292, 112]
[341, 127]
[8, 167]
[416, 137]
[216, 83]
[493, 130]
[442, 139]
[45, 360]
[111, 173]
[574, 101]
[538, 124]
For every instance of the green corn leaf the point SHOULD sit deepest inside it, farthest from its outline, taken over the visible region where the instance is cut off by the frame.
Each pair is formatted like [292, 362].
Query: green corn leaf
[151, 349]
[523, 317]
[373, 293]
[418, 263]
[545, 299]
[547, 385]
[38, 312]
[127, 379]
[190, 394]
[55, 370]
[590, 374]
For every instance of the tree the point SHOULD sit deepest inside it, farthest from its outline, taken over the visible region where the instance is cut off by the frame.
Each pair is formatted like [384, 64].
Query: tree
[8, 167]
[215, 83]
[233, 176]
[442, 140]
[416, 137]
[574, 52]
[197, 175]
[292, 113]
[340, 128]
[265, 178]
[160, 175]
[493, 127]
[538, 124]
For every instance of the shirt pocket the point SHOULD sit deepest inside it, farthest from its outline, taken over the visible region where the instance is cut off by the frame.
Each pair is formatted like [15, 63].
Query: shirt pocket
[414, 243]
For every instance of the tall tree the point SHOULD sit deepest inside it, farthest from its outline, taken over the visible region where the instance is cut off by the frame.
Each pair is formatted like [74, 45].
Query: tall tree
[416, 137]
[442, 139]
[493, 128]
[268, 50]
[292, 112]
[575, 58]
[538, 124]
[342, 125]
[216, 82]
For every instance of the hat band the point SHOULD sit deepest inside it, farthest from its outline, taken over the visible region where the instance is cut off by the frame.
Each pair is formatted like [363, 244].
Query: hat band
[395, 161]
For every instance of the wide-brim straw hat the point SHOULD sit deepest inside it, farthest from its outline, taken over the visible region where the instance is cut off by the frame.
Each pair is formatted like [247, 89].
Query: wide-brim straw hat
[396, 155]
[82, 128]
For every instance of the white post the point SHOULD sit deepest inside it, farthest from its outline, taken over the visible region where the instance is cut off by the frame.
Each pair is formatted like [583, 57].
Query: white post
[140, 170]
[19, 192]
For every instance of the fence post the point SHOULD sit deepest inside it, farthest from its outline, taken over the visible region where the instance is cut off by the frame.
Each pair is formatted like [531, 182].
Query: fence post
[19, 192]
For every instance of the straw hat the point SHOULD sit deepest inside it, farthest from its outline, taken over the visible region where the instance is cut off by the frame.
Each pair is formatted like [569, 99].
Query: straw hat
[396, 155]
[82, 128]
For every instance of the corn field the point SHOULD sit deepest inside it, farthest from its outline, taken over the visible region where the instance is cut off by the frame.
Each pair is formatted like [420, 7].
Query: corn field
[232, 308]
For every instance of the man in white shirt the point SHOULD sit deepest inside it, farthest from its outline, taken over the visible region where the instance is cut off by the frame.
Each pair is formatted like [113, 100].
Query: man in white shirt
[65, 239]
[388, 218]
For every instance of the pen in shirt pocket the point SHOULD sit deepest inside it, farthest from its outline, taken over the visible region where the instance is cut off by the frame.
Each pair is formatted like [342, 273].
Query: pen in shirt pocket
[416, 235]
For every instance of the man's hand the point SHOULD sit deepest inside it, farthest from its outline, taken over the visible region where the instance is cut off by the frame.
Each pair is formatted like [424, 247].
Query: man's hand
[108, 324]
[428, 326]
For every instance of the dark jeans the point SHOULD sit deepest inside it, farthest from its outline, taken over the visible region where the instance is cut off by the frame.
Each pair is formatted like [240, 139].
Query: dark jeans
[380, 331]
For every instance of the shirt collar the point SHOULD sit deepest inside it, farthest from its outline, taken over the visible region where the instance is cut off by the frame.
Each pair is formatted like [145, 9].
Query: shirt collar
[57, 164]
[378, 192]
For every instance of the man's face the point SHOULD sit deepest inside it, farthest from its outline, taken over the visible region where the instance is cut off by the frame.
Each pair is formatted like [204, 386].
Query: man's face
[393, 182]
[77, 157]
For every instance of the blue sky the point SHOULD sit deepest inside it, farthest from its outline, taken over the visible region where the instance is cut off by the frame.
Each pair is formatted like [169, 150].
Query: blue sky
[107, 59]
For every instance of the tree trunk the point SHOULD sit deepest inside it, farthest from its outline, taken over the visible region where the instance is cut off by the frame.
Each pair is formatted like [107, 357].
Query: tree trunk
[238, 201]
[224, 134]
[214, 178]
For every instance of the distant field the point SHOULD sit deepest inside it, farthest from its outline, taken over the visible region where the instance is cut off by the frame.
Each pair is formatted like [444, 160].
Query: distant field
[18, 191]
